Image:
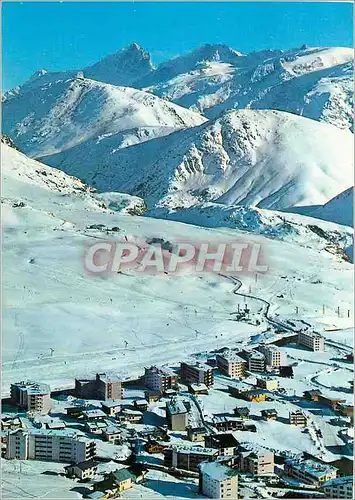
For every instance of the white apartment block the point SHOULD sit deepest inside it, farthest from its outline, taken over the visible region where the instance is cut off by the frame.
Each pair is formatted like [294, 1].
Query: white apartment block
[258, 464]
[159, 379]
[256, 361]
[218, 481]
[231, 364]
[341, 487]
[55, 446]
[32, 396]
[273, 356]
[311, 340]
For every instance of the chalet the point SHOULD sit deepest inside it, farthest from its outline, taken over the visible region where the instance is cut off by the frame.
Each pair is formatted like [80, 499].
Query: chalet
[196, 434]
[269, 414]
[152, 396]
[112, 434]
[76, 411]
[82, 470]
[95, 414]
[225, 422]
[226, 444]
[10, 423]
[55, 424]
[312, 395]
[346, 411]
[132, 416]
[242, 412]
[197, 389]
[153, 447]
[111, 408]
[252, 395]
[270, 384]
[138, 472]
[140, 404]
[330, 402]
[96, 426]
[114, 483]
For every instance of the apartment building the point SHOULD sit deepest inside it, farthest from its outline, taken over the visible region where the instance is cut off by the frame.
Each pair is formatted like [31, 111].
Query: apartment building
[186, 458]
[256, 361]
[55, 446]
[218, 481]
[310, 471]
[270, 384]
[341, 487]
[231, 364]
[274, 357]
[159, 379]
[257, 463]
[177, 415]
[197, 373]
[298, 418]
[105, 387]
[32, 396]
[311, 340]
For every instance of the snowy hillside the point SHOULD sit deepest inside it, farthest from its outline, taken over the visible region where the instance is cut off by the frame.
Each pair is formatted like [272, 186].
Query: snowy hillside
[62, 114]
[313, 82]
[25, 180]
[58, 319]
[340, 209]
[268, 159]
[283, 226]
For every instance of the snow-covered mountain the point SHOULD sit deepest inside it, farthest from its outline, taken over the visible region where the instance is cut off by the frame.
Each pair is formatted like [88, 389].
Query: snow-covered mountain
[68, 112]
[268, 159]
[313, 82]
[122, 68]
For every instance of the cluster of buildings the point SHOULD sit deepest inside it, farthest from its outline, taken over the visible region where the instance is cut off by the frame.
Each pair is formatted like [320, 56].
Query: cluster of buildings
[213, 455]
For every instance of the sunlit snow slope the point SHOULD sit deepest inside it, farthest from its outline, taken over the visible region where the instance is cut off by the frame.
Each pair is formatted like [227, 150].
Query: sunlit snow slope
[264, 158]
[68, 112]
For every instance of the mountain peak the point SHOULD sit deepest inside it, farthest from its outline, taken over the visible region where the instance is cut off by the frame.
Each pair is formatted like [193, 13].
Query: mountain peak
[123, 67]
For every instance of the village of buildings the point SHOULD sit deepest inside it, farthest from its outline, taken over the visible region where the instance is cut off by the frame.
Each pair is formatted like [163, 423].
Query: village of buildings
[248, 422]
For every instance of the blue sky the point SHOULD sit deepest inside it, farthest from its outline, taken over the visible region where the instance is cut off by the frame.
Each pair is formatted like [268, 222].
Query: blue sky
[59, 36]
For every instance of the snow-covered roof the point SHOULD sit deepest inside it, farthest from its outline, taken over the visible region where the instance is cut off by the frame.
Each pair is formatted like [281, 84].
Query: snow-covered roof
[94, 414]
[312, 467]
[231, 356]
[217, 471]
[111, 404]
[339, 480]
[195, 450]
[176, 406]
[33, 387]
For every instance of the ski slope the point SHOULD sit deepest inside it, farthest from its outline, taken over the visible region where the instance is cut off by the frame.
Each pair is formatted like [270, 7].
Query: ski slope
[124, 321]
